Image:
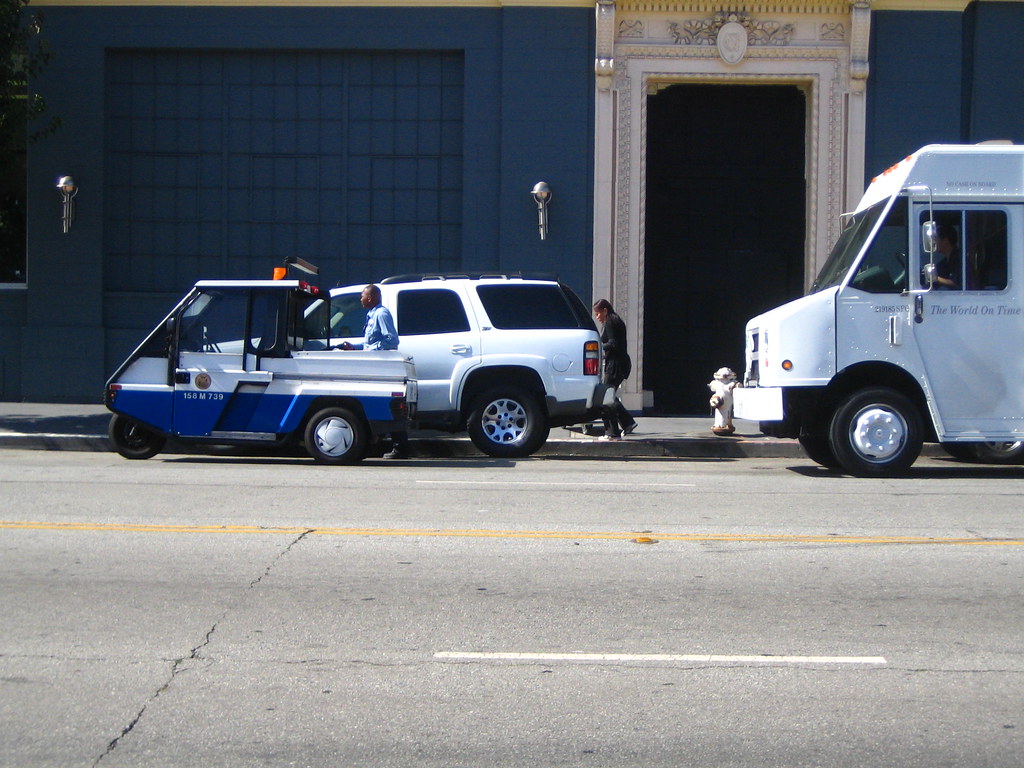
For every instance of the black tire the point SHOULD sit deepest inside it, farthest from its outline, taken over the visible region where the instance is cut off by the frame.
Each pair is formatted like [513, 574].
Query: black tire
[999, 452]
[960, 451]
[132, 439]
[336, 436]
[876, 433]
[819, 451]
[508, 423]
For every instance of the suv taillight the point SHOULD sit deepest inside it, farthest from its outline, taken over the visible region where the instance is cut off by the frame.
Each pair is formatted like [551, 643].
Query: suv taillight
[592, 359]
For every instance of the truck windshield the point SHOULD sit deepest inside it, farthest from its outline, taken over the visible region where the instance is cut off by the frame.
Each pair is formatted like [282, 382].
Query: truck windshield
[849, 244]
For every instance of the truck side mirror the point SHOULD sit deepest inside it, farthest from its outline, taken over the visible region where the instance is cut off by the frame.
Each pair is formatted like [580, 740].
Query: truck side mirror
[929, 237]
[929, 272]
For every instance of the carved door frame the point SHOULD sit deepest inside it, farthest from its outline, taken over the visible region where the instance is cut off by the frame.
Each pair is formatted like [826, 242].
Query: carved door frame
[639, 52]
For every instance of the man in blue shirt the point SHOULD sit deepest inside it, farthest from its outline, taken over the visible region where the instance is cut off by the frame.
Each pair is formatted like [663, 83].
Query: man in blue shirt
[380, 333]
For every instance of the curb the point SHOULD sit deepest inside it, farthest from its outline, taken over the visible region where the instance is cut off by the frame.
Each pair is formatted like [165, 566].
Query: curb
[451, 447]
[54, 442]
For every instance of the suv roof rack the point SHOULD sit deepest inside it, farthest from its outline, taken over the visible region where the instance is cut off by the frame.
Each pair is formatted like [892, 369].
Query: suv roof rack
[514, 275]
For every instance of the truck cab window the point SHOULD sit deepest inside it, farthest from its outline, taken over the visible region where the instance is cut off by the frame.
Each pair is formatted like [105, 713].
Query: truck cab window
[986, 250]
[847, 247]
[884, 266]
[971, 250]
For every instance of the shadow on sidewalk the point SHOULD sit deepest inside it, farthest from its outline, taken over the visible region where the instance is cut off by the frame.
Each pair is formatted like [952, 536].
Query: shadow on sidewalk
[41, 424]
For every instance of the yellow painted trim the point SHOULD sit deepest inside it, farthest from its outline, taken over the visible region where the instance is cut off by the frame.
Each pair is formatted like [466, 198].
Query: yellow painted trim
[792, 7]
[957, 6]
[631, 536]
[327, 3]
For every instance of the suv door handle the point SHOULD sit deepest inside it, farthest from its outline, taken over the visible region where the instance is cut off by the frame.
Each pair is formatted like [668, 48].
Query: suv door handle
[461, 349]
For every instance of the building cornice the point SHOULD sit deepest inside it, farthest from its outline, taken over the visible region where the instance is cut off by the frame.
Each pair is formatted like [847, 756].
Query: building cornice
[329, 3]
[787, 6]
[628, 6]
[922, 5]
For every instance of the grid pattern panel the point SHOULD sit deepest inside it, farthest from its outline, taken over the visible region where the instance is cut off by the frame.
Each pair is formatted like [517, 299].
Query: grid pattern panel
[223, 163]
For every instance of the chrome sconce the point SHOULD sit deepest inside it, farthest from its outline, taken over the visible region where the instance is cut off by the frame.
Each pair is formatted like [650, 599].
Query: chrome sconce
[542, 196]
[68, 190]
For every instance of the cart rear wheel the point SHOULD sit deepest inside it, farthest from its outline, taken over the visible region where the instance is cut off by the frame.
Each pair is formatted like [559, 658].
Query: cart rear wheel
[336, 436]
[132, 439]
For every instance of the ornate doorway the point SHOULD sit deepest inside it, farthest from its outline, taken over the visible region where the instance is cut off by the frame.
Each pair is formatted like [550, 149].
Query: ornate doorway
[809, 56]
[724, 228]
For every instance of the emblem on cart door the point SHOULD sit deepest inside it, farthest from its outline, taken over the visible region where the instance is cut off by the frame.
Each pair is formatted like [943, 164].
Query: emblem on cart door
[203, 381]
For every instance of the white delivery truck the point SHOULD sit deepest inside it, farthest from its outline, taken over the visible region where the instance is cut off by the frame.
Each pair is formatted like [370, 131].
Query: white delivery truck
[912, 331]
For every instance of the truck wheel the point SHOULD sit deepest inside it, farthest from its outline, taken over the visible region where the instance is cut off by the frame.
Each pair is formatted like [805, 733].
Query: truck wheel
[336, 436]
[991, 452]
[818, 450]
[133, 440]
[876, 432]
[508, 423]
[995, 452]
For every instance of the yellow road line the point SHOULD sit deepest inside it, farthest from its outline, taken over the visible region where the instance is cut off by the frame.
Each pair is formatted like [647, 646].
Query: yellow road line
[645, 537]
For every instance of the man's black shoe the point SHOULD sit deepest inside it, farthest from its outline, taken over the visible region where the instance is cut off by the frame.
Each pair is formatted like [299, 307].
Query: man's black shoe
[397, 453]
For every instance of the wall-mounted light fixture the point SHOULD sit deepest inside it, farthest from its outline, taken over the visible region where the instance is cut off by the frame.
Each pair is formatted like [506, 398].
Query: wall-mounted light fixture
[68, 190]
[542, 196]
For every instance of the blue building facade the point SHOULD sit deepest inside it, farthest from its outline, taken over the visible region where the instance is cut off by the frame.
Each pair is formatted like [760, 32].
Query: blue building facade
[212, 142]
[374, 138]
[944, 77]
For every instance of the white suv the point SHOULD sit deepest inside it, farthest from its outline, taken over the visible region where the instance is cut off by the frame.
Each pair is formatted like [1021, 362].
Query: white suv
[502, 357]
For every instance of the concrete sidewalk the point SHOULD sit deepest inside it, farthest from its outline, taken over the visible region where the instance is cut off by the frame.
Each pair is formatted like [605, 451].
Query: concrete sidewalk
[83, 427]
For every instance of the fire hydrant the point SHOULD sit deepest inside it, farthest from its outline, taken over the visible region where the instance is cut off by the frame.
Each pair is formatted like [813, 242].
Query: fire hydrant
[722, 385]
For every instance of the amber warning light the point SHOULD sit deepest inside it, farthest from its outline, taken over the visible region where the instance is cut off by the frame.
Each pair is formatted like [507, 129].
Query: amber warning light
[295, 264]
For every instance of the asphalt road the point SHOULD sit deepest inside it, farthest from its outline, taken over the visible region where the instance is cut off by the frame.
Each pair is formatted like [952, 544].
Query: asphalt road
[193, 610]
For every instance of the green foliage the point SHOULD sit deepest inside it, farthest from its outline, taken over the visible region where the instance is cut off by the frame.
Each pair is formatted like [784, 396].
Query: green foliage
[23, 54]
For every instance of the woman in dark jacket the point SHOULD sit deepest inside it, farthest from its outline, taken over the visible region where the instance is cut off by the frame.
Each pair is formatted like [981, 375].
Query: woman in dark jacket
[617, 366]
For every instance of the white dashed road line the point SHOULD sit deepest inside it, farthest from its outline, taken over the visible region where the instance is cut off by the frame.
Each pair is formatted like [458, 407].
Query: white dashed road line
[662, 657]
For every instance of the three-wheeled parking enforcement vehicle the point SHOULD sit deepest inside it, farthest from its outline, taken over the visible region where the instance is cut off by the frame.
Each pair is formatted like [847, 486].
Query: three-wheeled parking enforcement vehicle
[248, 362]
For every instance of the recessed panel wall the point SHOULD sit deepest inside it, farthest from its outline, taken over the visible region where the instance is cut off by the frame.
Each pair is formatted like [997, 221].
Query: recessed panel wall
[222, 164]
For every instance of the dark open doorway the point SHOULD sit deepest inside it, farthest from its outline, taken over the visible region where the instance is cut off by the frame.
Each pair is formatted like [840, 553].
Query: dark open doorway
[725, 228]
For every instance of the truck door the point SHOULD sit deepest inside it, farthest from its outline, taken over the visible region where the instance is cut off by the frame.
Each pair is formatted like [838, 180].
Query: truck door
[210, 359]
[873, 309]
[968, 327]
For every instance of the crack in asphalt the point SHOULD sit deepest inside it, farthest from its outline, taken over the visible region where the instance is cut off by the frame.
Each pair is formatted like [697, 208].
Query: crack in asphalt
[179, 664]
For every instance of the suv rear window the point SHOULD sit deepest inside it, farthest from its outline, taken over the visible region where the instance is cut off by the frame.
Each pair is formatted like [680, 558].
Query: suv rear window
[437, 310]
[522, 307]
